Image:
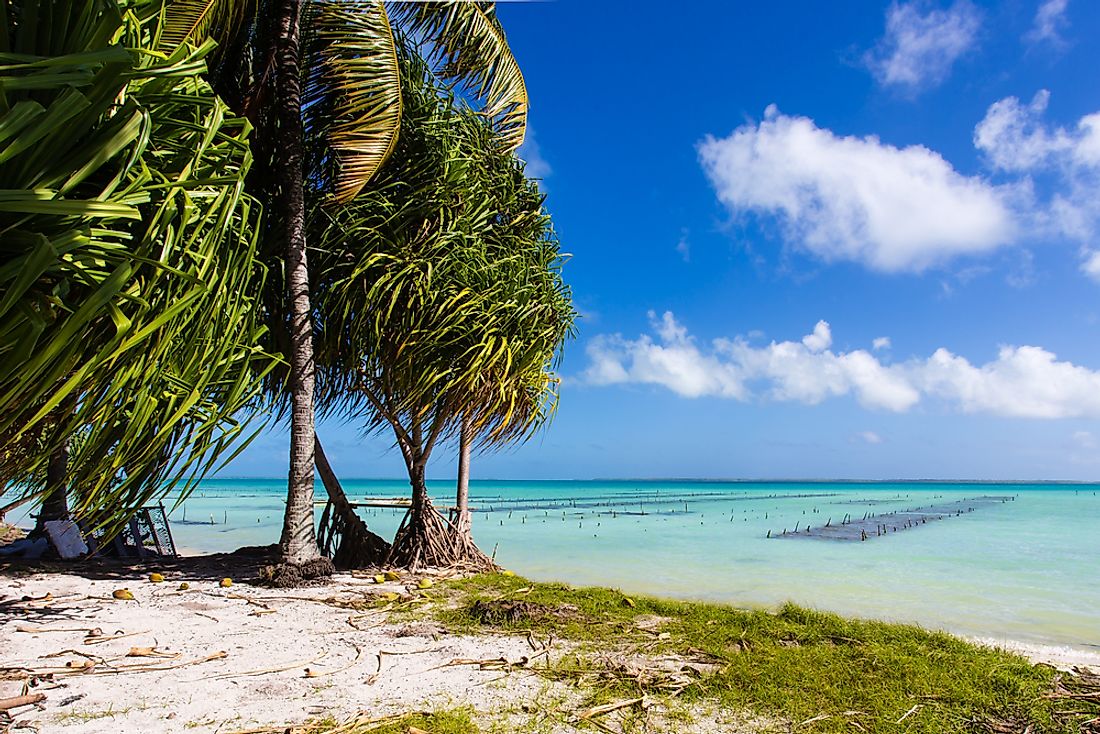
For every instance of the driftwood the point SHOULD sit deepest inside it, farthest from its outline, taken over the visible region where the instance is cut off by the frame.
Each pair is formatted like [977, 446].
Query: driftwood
[15, 702]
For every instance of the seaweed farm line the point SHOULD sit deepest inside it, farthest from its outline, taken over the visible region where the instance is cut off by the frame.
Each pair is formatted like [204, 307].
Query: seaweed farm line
[874, 525]
[1022, 569]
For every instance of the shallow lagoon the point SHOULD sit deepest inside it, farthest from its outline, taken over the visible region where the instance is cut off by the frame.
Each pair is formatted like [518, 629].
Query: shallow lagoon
[1025, 569]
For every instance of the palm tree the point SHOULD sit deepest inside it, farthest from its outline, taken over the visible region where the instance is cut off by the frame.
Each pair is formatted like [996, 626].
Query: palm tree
[433, 273]
[327, 72]
[129, 280]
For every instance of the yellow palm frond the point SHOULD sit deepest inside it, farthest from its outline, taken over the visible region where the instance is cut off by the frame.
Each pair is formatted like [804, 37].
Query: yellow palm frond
[353, 90]
[469, 44]
[194, 21]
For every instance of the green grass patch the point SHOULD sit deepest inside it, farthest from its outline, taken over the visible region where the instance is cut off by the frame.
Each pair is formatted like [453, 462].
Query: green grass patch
[455, 721]
[815, 671]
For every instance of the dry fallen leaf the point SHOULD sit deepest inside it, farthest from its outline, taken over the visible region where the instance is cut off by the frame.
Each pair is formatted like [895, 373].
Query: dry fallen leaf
[150, 652]
[124, 594]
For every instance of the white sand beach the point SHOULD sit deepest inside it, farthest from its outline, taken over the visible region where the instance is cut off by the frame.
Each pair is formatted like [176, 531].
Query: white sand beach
[217, 659]
[214, 659]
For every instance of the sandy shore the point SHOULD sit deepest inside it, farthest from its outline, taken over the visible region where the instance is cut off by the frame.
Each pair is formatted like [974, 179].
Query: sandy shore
[214, 659]
[233, 658]
[1062, 657]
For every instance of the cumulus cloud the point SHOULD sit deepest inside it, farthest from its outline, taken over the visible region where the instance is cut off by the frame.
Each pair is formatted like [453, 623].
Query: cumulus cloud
[870, 437]
[1025, 381]
[821, 338]
[672, 361]
[882, 342]
[1090, 264]
[907, 209]
[1014, 137]
[921, 44]
[851, 198]
[1049, 21]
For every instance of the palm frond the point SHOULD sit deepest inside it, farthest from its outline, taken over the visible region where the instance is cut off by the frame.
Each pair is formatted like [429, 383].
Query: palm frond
[352, 95]
[195, 21]
[130, 285]
[468, 43]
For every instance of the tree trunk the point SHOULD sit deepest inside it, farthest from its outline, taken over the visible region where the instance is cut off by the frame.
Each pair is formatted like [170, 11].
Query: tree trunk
[464, 549]
[423, 538]
[55, 502]
[298, 544]
[462, 497]
[358, 547]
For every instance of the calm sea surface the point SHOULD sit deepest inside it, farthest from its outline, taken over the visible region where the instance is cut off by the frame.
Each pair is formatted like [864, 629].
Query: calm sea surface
[1026, 569]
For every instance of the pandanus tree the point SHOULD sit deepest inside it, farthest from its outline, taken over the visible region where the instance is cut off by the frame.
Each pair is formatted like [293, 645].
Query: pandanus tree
[128, 309]
[321, 82]
[450, 302]
[529, 316]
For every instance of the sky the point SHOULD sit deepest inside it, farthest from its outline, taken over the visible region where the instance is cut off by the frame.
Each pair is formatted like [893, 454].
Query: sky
[852, 240]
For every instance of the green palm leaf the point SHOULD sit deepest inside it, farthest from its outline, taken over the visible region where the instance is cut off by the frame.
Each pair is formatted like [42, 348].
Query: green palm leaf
[128, 271]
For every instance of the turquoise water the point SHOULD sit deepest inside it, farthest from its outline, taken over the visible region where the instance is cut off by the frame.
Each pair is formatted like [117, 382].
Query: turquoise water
[1025, 569]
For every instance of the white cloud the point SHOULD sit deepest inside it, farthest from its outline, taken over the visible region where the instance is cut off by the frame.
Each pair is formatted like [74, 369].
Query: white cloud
[1050, 18]
[919, 47]
[1024, 381]
[850, 198]
[821, 338]
[882, 342]
[673, 362]
[870, 437]
[530, 152]
[1014, 138]
[683, 247]
[1090, 264]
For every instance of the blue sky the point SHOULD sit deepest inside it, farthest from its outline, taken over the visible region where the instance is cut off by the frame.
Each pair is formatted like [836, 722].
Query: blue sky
[858, 241]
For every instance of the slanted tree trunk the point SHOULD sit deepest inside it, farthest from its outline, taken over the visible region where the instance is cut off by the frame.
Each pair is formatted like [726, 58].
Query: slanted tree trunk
[298, 544]
[462, 536]
[358, 547]
[55, 502]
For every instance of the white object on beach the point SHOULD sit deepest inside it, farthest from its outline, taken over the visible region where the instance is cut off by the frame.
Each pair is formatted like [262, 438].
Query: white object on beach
[65, 536]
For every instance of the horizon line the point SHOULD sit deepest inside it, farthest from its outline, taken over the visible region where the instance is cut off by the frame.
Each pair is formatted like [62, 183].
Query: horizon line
[713, 480]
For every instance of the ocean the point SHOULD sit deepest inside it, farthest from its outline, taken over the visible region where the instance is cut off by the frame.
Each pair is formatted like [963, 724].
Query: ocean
[1022, 566]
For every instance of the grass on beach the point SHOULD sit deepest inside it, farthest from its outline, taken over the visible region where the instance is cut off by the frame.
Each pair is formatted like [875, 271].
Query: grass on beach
[818, 672]
[455, 721]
